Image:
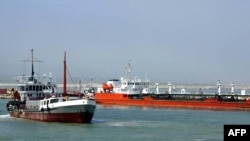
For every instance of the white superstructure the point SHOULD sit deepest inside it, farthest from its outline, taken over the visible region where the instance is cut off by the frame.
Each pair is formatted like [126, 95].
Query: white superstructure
[126, 86]
[35, 88]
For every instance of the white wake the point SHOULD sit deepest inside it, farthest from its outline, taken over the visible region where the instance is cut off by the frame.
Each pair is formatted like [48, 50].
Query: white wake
[5, 116]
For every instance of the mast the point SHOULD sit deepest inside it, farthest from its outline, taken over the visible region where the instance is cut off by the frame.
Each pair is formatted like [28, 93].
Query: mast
[64, 75]
[219, 87]
[169, 88]
[32, 65]
[129, 69]
[232, 88]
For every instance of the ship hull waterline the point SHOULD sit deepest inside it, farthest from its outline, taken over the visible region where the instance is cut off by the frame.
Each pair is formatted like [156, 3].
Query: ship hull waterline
[50, 116]
[209, 104]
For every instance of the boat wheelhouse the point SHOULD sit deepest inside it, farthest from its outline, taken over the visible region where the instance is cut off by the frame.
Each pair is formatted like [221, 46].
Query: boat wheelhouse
[36, 88]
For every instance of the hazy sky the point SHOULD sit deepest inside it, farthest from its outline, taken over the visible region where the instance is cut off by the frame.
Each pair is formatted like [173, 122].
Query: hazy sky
[178, 41]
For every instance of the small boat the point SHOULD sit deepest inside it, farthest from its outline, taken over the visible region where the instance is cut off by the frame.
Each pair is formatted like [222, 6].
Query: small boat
[129, 92]
[36, 98]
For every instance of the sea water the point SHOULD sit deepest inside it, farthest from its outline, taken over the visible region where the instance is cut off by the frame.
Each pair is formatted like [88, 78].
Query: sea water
[122, 123]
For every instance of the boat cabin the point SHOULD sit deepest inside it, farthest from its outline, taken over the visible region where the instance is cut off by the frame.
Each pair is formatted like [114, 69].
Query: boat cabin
[35, 89]
[126, 86]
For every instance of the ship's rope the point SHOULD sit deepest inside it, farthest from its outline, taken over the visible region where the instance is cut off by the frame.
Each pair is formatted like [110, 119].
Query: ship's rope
[70, 77]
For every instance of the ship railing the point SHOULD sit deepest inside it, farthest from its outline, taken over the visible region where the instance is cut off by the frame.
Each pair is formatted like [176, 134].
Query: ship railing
[196, 97]
[33, 104]
[134, 80]
[37, 78]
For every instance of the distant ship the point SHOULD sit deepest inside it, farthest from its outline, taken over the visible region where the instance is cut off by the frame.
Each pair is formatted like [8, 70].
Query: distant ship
[36, 98]
[135, 92]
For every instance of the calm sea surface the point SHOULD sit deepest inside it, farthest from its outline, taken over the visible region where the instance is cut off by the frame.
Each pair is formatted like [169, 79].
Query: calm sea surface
[126, 124]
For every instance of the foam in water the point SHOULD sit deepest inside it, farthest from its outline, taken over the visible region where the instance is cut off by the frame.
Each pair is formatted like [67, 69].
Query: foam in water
[5, 116]
[126, 123]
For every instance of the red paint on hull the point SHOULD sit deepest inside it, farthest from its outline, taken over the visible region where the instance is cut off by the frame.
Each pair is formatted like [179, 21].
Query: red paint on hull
[54, 117]
[212, 104]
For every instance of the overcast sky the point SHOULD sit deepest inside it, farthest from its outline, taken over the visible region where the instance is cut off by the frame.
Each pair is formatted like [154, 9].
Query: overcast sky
[178, 41]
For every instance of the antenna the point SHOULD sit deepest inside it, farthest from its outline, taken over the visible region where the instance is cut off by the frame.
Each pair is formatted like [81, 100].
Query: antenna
[32, 68]
[129, 69]
[32, 60]
[64, 75]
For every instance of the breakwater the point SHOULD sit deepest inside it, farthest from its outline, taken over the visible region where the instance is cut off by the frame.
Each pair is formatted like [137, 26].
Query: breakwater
[161, 85]
[190, 88]
[6, 96]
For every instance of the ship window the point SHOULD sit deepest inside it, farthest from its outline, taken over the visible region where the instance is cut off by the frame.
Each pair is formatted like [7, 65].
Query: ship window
[37, 88]
[21, 88]
[44, 103]
[44, 87]
[34, 88]
[30, 88]
[54, 100]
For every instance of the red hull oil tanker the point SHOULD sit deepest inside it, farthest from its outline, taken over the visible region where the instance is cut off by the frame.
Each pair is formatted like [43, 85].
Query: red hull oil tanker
[134, 92]
[174, 101]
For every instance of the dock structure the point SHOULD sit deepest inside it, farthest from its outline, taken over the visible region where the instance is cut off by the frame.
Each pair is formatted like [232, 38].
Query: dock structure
[5, 94]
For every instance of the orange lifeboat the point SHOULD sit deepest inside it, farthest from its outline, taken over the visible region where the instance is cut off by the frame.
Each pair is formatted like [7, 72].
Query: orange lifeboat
[106, 87]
